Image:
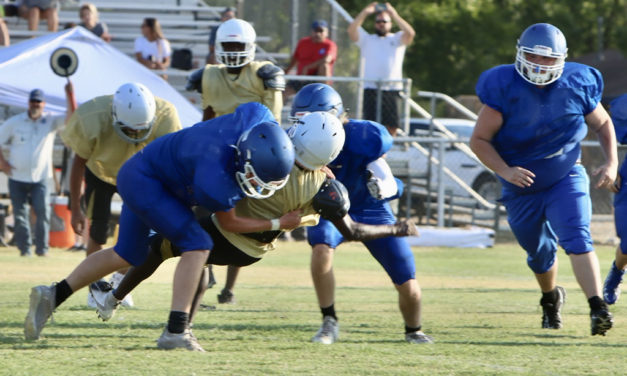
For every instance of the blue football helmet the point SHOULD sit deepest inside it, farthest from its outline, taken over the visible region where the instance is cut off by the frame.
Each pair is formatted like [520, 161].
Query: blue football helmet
[314, 98]
[265, 157]
[545, 40]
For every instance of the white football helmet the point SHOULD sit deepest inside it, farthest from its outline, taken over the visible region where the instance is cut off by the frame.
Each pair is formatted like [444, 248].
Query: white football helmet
[235, 31]
[318, 138]
[133, 110]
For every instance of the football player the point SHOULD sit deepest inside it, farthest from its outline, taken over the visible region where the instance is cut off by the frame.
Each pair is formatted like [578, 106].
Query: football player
[103, 133]
[535, 114]
[213, 164]
[370, 185]
[611, 288]
[238, 78]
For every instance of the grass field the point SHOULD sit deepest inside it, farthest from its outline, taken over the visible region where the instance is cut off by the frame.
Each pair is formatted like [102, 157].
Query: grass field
[480, 305]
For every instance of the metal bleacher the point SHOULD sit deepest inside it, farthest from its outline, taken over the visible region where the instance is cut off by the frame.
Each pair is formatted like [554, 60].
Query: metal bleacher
[185, 23]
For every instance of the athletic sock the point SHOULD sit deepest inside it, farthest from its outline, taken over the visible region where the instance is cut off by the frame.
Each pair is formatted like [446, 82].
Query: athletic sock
[551, 296]
[596, 303]
[409, 329]
[329, 311]
[63, 291]
[178, 321]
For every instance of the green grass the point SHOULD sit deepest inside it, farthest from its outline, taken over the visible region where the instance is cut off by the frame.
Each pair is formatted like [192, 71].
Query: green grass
[480, 305]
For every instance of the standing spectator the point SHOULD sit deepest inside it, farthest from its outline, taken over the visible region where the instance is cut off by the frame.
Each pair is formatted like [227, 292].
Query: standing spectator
[5, 40]
[611, 288]
[315, 54]
[90, 21]
[30, 136]
[227, 14]
[383, 53]
[103, 133]
[33, 10]
[236, 80]
[152, 49]
[535, 114]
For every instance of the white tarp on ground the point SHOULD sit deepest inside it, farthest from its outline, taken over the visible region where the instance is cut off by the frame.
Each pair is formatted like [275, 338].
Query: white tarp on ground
[101, 69]
[466, 237]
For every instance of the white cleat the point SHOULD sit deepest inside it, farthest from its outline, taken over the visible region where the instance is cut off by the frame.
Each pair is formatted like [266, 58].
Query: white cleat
[185, 340]
[107, 306]
[328, 333]
[42, 300]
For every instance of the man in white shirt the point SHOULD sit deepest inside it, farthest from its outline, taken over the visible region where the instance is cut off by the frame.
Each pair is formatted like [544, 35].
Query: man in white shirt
[29, 137]
[383, 53]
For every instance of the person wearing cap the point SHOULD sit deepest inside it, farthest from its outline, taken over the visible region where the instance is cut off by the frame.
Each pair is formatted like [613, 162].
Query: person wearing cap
[314, 55]
[226, 15]
[104, 133]
[383, 53]
[29, 138]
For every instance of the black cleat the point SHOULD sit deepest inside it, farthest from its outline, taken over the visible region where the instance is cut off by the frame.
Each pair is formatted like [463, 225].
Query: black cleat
[551, 311]
[600, 321]
[226, 297]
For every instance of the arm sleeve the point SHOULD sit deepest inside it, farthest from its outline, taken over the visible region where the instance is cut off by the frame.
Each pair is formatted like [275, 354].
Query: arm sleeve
[75, 137]
[618, 110]
[138, 47]
[593, 90]
[167, 50]
[273, 99]
[168, 121]
[488, 91]
[6, 130]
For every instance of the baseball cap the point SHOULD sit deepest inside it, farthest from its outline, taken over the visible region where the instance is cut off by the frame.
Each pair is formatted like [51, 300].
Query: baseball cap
[36, 95]
[319, 24]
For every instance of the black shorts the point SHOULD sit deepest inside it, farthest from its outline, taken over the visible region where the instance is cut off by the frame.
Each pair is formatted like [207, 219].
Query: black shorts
[97, 205]
[390, 102]
[223, 252]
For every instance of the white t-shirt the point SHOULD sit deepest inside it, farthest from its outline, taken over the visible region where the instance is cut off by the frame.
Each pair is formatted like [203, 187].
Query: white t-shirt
[383, 58]
[30, 143]
[159, 49]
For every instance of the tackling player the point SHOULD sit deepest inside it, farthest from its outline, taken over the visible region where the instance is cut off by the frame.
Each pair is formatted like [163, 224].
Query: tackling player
[370, 185]
[535, 114]
[213, 164]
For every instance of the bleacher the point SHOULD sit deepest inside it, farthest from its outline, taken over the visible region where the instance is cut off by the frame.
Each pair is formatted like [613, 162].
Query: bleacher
[185, 23]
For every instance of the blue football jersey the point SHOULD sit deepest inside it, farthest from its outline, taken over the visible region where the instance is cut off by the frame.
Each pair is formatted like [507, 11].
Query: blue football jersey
[199, 166]
[365, 142]
[618, 110]
[542, 127]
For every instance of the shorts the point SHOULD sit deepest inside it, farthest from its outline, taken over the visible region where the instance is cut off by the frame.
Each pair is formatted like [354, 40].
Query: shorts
[562, 212]
[97, 205]
[41, 4]
[390, 102]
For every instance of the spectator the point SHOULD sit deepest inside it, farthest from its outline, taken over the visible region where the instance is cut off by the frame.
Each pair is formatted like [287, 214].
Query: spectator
[383, 53]
[88, 14]
[314, 55]
[33, 10]
[152, 49]
[534, 116]
[30, 138]
[226, 15]
[4, 33]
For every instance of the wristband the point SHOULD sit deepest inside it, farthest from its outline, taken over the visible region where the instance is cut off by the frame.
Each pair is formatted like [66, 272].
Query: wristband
[275, 224]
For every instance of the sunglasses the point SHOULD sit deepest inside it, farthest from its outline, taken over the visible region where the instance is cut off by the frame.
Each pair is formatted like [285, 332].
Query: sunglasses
[319, 30]
[381, 21]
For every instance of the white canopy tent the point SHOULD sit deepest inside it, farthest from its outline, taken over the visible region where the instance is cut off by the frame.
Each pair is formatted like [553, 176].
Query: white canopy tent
[101, 70]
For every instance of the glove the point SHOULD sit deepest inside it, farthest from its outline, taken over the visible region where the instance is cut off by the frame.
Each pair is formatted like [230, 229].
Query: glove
[373, 185]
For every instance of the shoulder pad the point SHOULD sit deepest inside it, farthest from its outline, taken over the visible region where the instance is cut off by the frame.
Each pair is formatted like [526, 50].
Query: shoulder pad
[194, 80]
[273, 77]
[331, 201]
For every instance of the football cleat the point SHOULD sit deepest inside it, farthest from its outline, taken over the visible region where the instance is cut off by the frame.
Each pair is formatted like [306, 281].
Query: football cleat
[42, 304]
[97, 292]
[106, 308]
[418, 337]
[115, 281]
[226, 297]
[600, 321]
[551, 311]
[186, 340]
[611, 287]
[328, 333]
